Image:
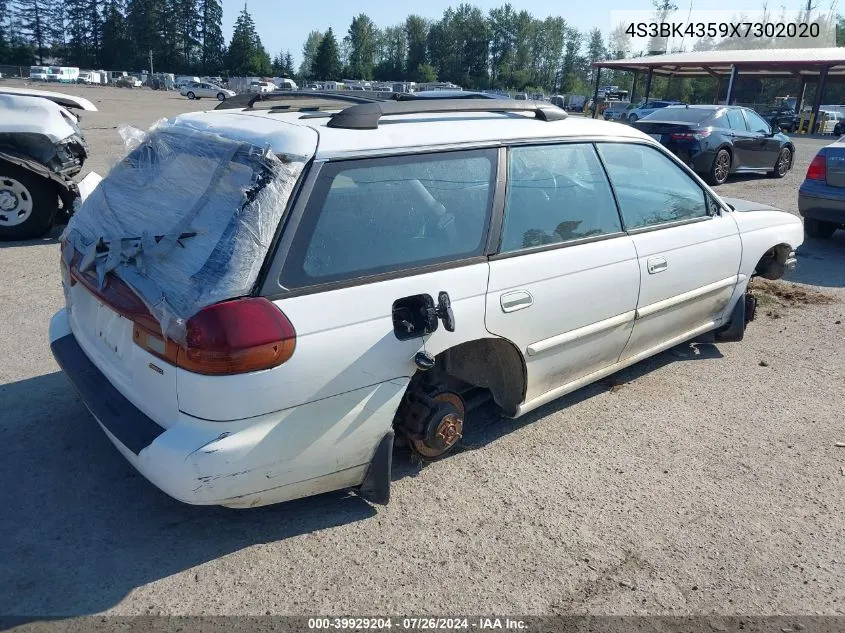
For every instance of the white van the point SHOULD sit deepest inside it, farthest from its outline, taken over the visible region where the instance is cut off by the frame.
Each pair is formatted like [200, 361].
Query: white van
[63, 74]
[38, 73]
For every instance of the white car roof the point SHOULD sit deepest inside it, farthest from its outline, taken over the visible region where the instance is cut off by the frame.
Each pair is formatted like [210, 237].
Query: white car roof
[298, 133]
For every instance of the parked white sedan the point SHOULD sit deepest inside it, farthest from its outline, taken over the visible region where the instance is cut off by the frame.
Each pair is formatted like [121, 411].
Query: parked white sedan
[257, 326]
[194, 90]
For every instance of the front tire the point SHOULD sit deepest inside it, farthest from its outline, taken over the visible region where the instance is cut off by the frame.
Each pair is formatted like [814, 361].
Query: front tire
[191, 96]
[221, 97]
[818, 229]
[783, 163]
[28, 203]
[720, 169]
[633, 118]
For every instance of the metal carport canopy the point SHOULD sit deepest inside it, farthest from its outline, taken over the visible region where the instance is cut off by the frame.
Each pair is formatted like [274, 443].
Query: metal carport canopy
[771, 62]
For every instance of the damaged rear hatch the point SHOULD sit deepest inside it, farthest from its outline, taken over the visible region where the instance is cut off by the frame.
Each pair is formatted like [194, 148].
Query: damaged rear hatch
[183, 222]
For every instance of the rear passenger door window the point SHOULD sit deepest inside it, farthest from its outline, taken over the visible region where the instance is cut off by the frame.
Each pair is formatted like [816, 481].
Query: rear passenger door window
[382, 215]
[651, 188]
[556, 194]
[736, 121]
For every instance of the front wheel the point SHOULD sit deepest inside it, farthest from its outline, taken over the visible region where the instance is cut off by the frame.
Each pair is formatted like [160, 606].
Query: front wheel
[784, 162]
[191, 96]
[818, 229]
[632, 118]
[221, 96]
[28, 203]
[721, 168]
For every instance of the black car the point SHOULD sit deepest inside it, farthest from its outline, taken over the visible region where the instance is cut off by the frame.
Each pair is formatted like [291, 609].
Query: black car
[784, 119]
[717, 141]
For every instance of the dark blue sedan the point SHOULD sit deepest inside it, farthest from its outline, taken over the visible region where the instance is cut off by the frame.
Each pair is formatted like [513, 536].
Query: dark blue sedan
[821, 198]
[717, 141]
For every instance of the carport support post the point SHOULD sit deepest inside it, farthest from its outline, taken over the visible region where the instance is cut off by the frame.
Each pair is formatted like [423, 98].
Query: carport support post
[731, 81]
[633, 88]
[648, 83]
[596, 92]
[817, 101]
[802, 89]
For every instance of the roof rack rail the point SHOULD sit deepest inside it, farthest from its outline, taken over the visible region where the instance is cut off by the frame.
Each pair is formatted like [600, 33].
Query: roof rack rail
[248, 100]
[366, 116]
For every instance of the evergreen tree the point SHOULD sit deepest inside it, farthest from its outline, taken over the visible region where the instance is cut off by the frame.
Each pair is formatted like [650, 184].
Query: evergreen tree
[246, 55]
[38, 24]
[116, 46]
[211, 36]
[287, 67]
[327, 64]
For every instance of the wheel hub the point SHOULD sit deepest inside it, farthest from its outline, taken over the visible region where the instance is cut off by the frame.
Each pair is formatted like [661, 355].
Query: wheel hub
[15, 202]
[8, 201]
[444, 428]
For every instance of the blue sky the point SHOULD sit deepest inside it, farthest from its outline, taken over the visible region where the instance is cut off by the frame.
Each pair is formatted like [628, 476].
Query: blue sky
[284, 25]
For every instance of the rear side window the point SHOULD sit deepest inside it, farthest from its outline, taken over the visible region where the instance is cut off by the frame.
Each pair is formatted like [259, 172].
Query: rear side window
[735, 120]
[556, 193]
[382, 215]
[756, 124]
[651, 188]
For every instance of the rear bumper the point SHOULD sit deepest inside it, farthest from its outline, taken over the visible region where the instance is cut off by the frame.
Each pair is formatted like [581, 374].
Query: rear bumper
[817, 207]
[246, 463]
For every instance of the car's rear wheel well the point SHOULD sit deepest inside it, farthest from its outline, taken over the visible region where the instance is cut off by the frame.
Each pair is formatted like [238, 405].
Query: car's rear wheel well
[773, 263]
[491, 364]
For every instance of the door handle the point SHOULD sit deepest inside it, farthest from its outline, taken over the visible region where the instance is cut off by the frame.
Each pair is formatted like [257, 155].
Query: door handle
[656, 265]
[516, 300]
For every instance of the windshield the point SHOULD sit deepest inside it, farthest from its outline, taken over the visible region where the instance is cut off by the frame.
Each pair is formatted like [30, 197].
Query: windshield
[186, 219]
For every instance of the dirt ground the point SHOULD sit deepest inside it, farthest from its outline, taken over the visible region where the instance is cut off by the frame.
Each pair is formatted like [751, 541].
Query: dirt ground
[705, 480]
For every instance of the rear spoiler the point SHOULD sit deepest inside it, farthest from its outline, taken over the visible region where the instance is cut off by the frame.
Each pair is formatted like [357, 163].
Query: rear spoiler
[60, 98]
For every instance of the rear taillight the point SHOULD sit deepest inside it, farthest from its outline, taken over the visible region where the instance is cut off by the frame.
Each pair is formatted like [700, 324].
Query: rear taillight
[690, 136]
[232, 337]
[817, 169]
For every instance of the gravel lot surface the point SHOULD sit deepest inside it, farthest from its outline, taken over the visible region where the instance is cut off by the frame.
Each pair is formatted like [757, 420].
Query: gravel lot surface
[704, 480]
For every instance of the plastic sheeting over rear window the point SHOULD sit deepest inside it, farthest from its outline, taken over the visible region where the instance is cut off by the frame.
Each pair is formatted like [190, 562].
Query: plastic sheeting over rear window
[186, 219]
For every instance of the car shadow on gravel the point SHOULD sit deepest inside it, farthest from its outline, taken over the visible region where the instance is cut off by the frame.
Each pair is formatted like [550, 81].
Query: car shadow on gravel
[485, 424]
[51, 237]
[82, 528]
[821, 262]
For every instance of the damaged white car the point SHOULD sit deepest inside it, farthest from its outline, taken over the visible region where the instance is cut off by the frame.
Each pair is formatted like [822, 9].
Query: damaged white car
[259, 301]
[42, 148]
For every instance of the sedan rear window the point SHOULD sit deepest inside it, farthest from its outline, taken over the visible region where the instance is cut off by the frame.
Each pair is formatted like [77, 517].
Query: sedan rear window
[383, 215]
[686, 115]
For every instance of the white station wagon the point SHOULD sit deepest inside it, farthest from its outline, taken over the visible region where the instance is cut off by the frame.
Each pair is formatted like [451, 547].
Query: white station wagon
[260, 300]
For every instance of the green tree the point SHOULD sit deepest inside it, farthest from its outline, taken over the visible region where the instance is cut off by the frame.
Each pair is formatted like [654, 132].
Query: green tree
[144, 20]
[327, 64]
[425, 73]
[572, 62]
[503, 28]
[116, 45]
[38, 23]
[211, 40]
[246, 55]
[595, 51]
[416, 33]
[392, 51]
[288, 69]
[362, 41]
[309, 53]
